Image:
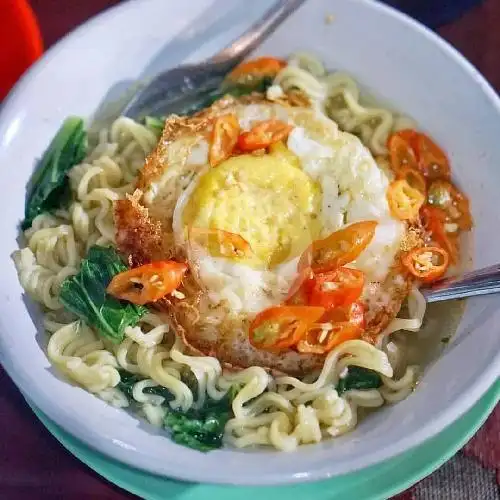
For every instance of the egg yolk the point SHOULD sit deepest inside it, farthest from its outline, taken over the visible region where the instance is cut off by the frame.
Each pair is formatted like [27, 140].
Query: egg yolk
[266, 199]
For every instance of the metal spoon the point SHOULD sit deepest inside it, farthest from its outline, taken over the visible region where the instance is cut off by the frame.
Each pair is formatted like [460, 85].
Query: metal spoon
[480, 282]
[176, 88]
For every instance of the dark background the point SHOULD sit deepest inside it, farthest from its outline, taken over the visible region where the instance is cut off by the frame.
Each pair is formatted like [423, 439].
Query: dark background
[32, 463]
[434, 13]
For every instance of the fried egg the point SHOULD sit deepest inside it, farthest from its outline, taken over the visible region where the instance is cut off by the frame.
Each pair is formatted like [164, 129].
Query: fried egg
[319, 181]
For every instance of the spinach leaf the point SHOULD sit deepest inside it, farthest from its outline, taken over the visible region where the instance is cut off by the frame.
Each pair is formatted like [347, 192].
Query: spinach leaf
[49, 183]
[359, 378]
[85, 295]
[202, 429]
[159, 390]
[128, 380]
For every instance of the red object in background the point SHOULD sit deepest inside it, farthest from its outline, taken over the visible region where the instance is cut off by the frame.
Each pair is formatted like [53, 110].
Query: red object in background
[20, 42]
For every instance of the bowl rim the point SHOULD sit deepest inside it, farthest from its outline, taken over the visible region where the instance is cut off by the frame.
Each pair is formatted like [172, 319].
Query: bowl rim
[134, 458]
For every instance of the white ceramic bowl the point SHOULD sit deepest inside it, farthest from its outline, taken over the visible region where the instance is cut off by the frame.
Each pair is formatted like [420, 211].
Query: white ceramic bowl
[403, 63]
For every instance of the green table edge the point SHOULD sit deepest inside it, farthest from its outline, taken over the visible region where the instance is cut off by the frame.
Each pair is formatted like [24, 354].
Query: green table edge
[376, 482]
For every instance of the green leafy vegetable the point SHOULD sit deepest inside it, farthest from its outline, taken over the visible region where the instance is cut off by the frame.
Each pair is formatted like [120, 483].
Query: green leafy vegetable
[239, 89]
[359, 378]
[128, 380]
[202, 429]
[155, 124]
[49, 183]
[85, 295]
[203, 433]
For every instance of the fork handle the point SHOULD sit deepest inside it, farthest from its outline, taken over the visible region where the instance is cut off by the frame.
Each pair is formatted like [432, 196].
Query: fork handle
[257, 33]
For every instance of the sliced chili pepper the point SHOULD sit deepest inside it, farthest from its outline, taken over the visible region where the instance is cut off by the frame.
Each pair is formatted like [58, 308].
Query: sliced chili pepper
[401, 150]
[147, 283]
[427, 263]
[404, 201]
[432, 213]
[434, 220]
[337, 326]
[221, 243]
[263, 135]
[445, 195]
[300, 291]
[225, 133]
[340, 287]
[338, 249]
[414, 178]
[256, 69]
[408, 135]
[432, 161]
[354, 313]
[280, 328]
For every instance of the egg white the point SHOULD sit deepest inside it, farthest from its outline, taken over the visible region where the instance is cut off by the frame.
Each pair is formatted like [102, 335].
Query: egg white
[353, 188]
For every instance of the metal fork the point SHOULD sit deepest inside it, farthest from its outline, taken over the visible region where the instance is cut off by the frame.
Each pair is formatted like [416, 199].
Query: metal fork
[177, 88]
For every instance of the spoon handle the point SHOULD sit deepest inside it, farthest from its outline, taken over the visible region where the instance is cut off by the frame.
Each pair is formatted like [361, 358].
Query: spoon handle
[256, 34]
[480, 282]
